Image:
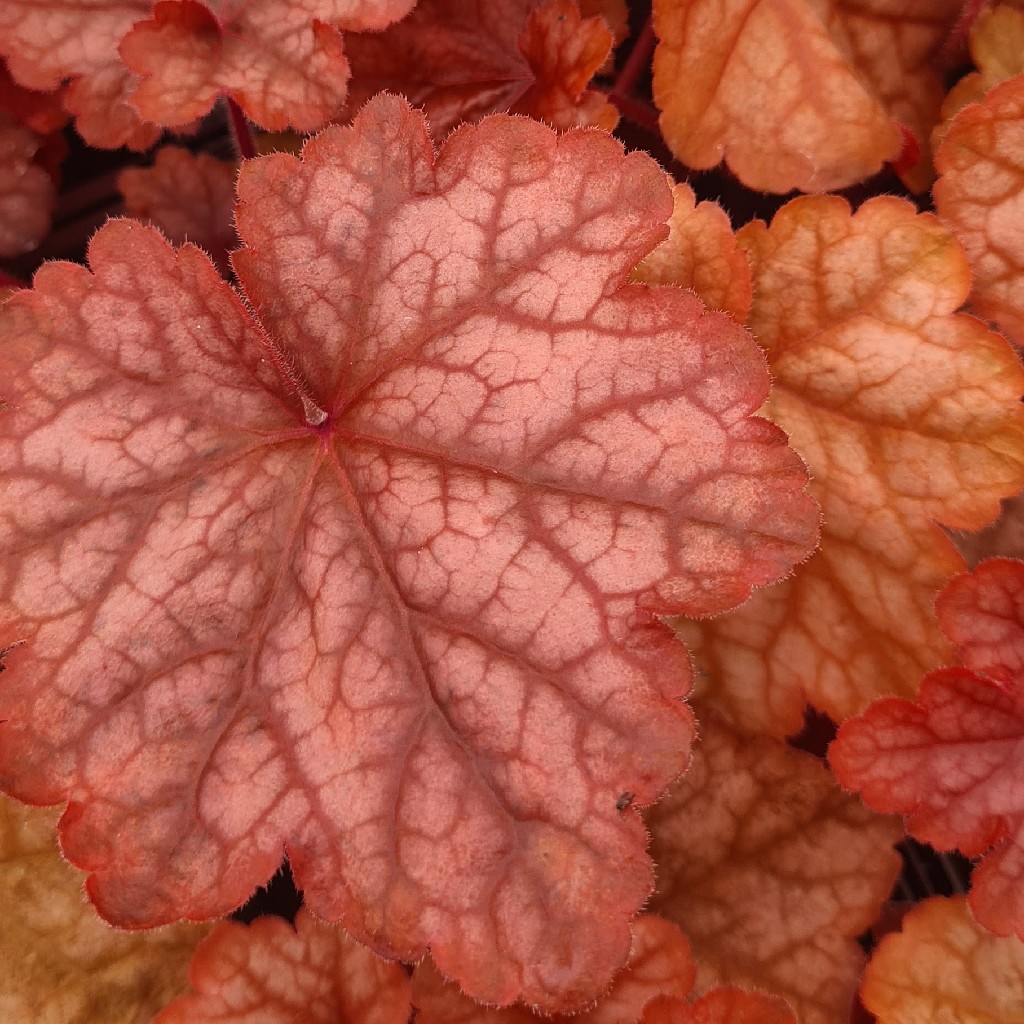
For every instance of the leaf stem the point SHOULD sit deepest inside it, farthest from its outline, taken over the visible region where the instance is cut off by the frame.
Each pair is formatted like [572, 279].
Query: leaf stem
[241, 131]
[632, 69]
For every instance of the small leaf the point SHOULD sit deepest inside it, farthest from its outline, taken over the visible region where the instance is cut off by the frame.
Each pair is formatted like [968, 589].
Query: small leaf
[659, 965]
[190, 198]
[943, 966]
[463, 59]
[794, 94]
[59, 963]
[771, 871]
[376, 576]
[952, 761]
[701, 253]
[980, 192]
[277, 974]
[908, 415]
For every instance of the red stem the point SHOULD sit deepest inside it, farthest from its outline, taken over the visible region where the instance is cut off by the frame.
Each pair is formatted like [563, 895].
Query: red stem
[241, 131]
[637, 111]
[635, 63]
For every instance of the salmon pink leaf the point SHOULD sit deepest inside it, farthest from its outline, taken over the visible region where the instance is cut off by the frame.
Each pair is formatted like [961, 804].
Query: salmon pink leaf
[724, 1005]
[462, 59]
[953, 761]
[277, 974]
[375, 578]
[27, 192]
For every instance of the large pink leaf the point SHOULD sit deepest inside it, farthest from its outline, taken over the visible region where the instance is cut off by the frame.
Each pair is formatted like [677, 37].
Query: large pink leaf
[377, 576]
[953, 761]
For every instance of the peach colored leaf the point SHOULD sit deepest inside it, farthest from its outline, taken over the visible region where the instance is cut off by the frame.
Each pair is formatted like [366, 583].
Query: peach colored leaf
[376, 578]
[944, 967]
[908, 415]
[726, 1005]
[273, 973]
[794, 94]
[27, 192]
[701, 253]
[659, 964]
[980, 192]
[463, 59]
[997, 49]
[47, 42]
[277, 59]
[953, 761]
[771, 871]
[59, 963]
[190, 198]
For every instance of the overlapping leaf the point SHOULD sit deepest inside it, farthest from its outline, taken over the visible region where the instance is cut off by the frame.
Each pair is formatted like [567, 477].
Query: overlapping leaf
[724, 1005]
[461, 60]
[59, 963]
[701, 253]
[953, 761]
[190, 198]
[276, 974]
[943, 966]
[78, 39]
[794, 94]
[771, 871]
[980, 192]
[659, 965]
[908, 414]
[376, 577]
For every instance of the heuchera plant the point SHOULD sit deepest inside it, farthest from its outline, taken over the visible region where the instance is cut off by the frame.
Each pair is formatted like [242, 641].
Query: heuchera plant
[454, 506]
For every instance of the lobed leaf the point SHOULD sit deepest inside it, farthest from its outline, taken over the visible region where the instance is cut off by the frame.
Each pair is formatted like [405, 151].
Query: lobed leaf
[659, 964]
[59, 963]
[794, 94]
[463, 60]
[375, 577]
[908, 415]
[189, 197]
[980, 192]
[771, 871]
[952, 761]
[701, 253]
[942, 966]
[40, 111]
[274, 973]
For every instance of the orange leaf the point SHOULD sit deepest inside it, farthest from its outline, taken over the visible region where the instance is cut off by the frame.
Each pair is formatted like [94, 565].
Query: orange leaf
[771, 871]
[953, 760]
[190, 198]
[944, 967]
[59, 963]
[463, 59]
[701, 253]
[659, 964]
[908, 415]
[980, 192]
[276, 974]
[793, 94]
